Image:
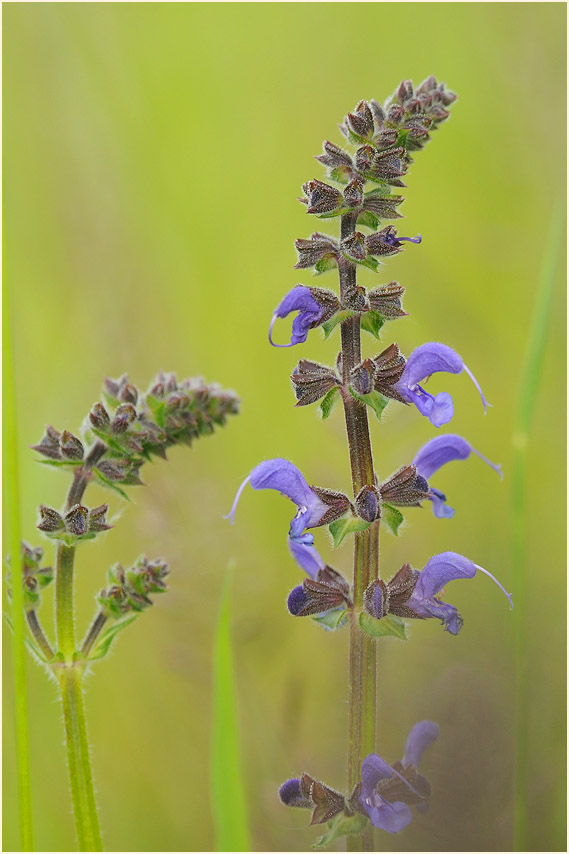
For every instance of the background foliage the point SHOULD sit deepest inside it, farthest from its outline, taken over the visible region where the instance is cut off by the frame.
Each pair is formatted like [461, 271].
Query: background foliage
[152, 157]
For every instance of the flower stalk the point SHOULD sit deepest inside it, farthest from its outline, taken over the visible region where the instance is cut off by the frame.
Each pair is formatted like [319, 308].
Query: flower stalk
[362, 677]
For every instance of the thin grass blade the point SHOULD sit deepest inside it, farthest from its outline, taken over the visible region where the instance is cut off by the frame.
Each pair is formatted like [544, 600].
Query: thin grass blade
[228, 792]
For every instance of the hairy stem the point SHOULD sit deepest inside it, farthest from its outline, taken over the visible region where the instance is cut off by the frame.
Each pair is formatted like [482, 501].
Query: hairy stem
[38, 633]
[362, 684]
[82, 791]
[93, 633]
[80, 776]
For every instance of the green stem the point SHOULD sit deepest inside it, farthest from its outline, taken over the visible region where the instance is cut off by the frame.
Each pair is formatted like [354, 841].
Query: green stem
[69, 675]
[82, 791]
[362, 684]
[12, 513]
[93, 633]
[39, 636]
[530, 379]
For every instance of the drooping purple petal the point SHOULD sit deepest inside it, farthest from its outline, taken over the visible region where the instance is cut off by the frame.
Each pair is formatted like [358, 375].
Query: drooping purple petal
[421, 736]
[430, 359]
[303, 551]
[383, 814]
[435, 454]
[283, 476]
[309, 312]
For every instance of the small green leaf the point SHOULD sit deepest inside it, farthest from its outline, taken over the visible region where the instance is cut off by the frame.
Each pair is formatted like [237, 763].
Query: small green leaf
[369, 261]
[341, 174]
[334, 321]
[392, 517]
[346, 525]
[369, 219]
[376, 400]
[372, 322]
[341, 825]
[331, 620]
[105, 641]
[389, 625]
[110, 485]
[328, 401]
[325, 264]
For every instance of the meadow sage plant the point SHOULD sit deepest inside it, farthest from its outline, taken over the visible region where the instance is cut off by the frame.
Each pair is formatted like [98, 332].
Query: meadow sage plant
[120, 434]
[359, 190]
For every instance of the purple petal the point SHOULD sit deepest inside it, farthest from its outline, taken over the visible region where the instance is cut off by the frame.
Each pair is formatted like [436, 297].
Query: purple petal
[310, 312]
[386, 816]
[374, 769]
[421, 736]
[440, 507]
[296, 601]
[430, 359]
[439, 570]
[284, 477]
[305, 554]
[439, 451]
[291, 795]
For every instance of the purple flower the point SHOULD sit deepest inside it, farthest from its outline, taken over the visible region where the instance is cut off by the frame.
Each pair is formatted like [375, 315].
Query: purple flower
[387, 790]
[303, 551]
[430, 359]
[438, 452]
[314, 306]
[437, 572]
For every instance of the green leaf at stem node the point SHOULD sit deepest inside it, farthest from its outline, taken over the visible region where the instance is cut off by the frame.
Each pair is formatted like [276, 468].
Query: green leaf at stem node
[346, 525]
[389, 625]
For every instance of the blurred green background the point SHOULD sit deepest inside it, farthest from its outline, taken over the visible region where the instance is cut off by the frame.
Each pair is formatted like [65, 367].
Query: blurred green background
[153, 154]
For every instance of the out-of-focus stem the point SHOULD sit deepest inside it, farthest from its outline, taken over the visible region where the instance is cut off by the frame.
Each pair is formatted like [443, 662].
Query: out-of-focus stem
[39, 635]
[362, 686]
[529, 387]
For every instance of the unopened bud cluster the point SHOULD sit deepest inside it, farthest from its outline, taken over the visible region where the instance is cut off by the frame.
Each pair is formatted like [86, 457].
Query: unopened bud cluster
[35, 577]
[129, 589]
[78, 523]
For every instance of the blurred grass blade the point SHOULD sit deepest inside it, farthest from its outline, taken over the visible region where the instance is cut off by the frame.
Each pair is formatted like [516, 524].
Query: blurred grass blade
[527, 402]
[228, 794]
[12, 519]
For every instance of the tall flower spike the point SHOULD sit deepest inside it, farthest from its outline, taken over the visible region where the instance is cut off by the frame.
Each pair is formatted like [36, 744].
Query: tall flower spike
[435, 454]
[314, 305]
[430, 359]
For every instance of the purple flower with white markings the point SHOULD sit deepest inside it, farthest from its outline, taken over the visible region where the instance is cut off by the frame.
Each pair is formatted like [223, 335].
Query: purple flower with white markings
[430, 359]
[314, 306]
[435, 454]
[388, 790]
[315, 507]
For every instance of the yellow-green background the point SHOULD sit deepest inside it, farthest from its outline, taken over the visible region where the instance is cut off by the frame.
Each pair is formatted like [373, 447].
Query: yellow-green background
[153, 154]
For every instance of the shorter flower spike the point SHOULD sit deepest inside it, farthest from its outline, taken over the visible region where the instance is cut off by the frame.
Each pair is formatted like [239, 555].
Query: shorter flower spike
[388, 790]
[435, 454]
[314, 305]
[430, 359]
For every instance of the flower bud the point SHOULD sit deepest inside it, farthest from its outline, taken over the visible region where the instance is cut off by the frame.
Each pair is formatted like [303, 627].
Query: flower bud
[354, 246]
[389, 367]
[99, 418]
[320, 197]
[50, 520]
[362, 377]
[124, 416]
[338, 504]
[368, 503]
[387, 300]
[97, 519]
[405, 488]
[360, 121]
[353, 193]
[49, 445]
[312, 381]
[77, 520]
[376, 599]
[71, 446]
